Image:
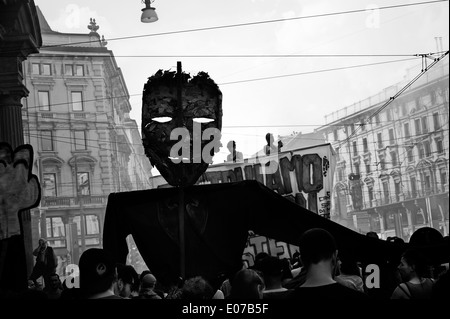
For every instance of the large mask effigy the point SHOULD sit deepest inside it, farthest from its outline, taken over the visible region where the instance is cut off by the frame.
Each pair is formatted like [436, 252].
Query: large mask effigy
[181, 123]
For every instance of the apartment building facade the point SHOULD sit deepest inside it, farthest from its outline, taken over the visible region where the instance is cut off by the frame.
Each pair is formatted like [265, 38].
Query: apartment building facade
[76, 117]
[392, 167]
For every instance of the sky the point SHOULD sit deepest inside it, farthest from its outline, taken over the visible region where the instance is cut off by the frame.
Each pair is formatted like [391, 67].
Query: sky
[268, 87]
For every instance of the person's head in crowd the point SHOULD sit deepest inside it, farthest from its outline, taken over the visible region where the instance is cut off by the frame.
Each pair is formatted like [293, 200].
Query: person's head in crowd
[372, 234]
[258, 257]
[148, 281]
[286, 270]
[97, 273]
[231, 145]
[55, 282]
[270, 266]
[269, 138]
[43, 243]
[414, 263]
[127, 278]
[441, 289]
[272, 270]
[426, 236]
[148, 288]
[142, 275]
[318, 245]
[247, 284]
[349, 266]
[197, 288]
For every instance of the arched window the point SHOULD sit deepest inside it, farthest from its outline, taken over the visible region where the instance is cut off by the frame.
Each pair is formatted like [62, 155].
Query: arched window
[51, 176]
[83, 169]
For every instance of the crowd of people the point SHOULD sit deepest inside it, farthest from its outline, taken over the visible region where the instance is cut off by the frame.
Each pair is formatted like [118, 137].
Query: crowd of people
[317, 271]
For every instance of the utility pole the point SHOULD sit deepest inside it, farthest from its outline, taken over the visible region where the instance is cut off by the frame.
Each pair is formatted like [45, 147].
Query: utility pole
[181, 187]
[80, 201]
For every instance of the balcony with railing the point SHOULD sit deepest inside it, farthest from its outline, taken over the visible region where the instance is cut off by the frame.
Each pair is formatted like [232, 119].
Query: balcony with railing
[93, 200]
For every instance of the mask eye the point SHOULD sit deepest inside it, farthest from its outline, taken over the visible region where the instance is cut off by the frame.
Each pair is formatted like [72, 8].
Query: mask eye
[203, 120]
[163, 119]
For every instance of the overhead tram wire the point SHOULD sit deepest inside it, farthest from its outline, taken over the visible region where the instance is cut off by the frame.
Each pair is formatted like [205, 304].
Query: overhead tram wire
[248, 80]
[314, 72]
[293, 55]
[245, 24]
[392, 98]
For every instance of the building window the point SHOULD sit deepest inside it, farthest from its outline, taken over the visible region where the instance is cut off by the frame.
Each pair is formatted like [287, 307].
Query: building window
[370, 192]
[80, 140]
[421, 151]
[56, 232]
[390, 222]
[79, 70]
[47, 140]
[335, 135]
[427, 184]
[436, 123]
[382, 164]
[68, 69]
[377, 119]
[394, 158]
[42, 69]
[71, 70]
[355, 149]
[424, 124]
[443, 175]
[92, 225]
[362, 125]
[391, 137]
[92, 230]
[406, 130]
[83, 183]
[50, 189]
[439, 146]
[386, 192]
[44, 100]
[365, 146]
[413, 187]
[389, 115]
[367, 168]
[417, 126]
[351, 128]
[46, 69]
[77, 101]
[76, 220]
[403, 110]
[397, 191]
[340, 175]
[427, 147]
[36, 68]
[380, 140]
[410, 155]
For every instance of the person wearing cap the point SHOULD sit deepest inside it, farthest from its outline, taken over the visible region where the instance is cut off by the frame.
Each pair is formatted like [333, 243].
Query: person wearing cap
[148, 284]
